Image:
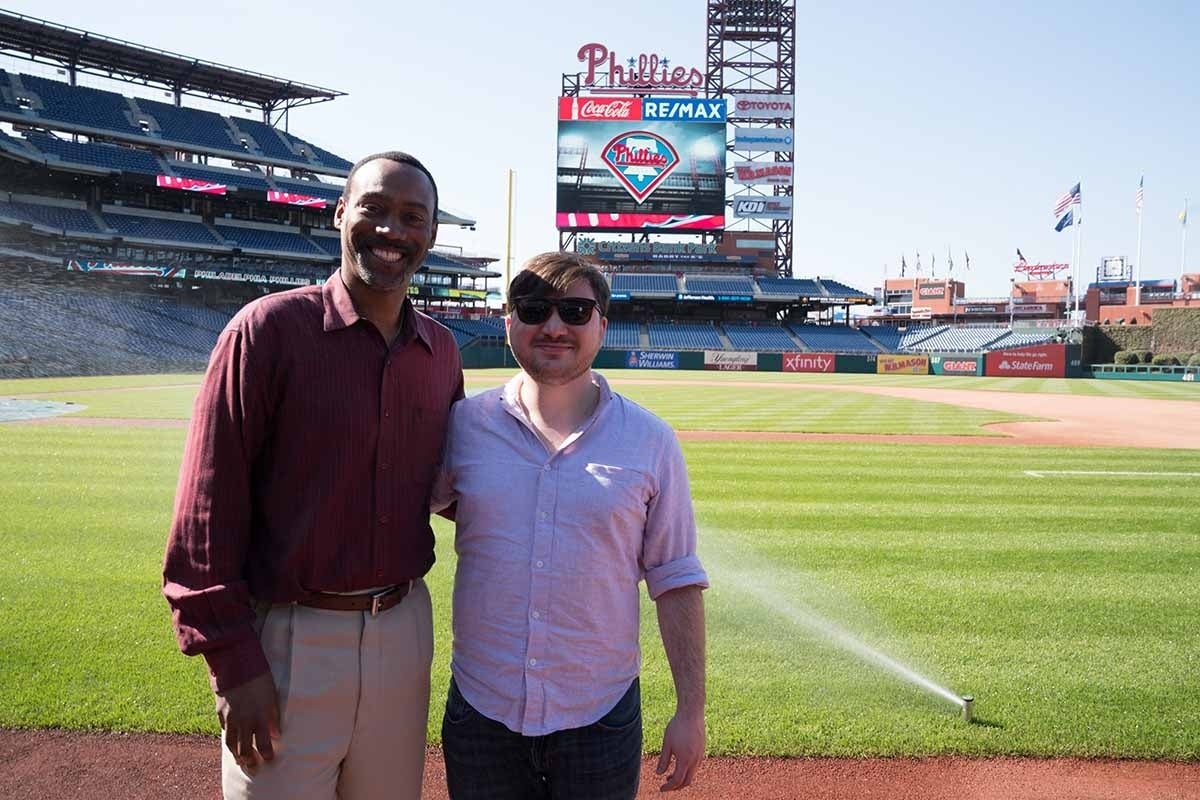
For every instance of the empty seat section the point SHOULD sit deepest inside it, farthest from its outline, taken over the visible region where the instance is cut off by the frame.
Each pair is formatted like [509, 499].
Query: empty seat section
[326, 191]
[788, 286]
[268, 140]
[634, 283]
[158, 228]
[833, 338]
[623, 335]
[81, 105]
[759, 337]
[191, 125]
[699, 284]
[269, 240]
[840, 289]
[109, 156]
[960, 340]
[56, 217]
[242, 179]
[684, 336]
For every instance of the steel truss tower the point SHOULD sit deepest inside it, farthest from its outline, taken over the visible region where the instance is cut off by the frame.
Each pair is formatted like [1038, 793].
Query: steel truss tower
[752, 50]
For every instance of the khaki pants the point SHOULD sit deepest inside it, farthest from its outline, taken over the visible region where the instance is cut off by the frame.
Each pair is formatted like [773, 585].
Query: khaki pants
[353, 704]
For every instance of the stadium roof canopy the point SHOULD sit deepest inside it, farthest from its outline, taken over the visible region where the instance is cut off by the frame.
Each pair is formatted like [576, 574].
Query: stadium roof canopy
[80, 51]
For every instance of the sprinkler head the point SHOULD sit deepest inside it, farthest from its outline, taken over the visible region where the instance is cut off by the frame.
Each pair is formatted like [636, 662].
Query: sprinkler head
[968, 706]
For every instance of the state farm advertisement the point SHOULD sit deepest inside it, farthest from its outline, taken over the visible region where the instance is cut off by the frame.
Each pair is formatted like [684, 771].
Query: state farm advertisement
[808, 362]
[730, 361]
[1035, 361]
[902, 365]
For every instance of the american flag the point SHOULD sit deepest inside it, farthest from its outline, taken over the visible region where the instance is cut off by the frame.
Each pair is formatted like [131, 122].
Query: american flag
[1070, 198]
[1139, 193]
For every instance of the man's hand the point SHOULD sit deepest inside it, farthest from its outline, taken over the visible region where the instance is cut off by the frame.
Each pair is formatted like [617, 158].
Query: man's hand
[249, 714]
[683, 739]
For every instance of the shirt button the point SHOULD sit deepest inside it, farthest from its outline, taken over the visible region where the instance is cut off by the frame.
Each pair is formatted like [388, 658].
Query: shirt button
[536, 615]
[384, 519]
[542, 515]
[533, 662]
[385, 467]
[546, 468]
[539, 564]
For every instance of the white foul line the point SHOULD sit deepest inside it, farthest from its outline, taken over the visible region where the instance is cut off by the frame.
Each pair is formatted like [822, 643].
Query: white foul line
[1041, 473]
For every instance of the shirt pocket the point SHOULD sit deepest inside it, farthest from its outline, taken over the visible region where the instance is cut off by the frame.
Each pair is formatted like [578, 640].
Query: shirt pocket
[600, 519]
[417, 447]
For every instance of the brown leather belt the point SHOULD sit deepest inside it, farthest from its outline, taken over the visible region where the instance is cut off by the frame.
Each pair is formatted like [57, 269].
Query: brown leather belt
[375, 603]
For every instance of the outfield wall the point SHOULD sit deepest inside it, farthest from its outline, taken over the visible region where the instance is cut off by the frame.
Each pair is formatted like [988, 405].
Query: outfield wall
[1038, 361]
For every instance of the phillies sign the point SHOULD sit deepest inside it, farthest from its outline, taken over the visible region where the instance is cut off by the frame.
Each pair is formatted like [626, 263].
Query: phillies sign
[607, 73]
[641, 160]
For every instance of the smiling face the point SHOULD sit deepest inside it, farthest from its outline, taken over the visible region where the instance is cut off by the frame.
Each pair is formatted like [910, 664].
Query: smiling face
[554, 353]
[388, 222]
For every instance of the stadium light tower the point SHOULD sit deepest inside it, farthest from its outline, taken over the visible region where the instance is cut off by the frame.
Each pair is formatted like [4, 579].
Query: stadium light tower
[752, 51]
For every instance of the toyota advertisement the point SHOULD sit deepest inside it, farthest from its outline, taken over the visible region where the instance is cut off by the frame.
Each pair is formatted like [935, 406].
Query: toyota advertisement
[641, 163]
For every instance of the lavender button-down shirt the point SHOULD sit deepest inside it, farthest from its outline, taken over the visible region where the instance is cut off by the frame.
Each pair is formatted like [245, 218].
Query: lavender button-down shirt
[551, 547]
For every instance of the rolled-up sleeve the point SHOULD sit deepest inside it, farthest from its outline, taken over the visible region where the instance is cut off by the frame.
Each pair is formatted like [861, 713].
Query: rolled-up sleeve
[203, 570]
[669, 545]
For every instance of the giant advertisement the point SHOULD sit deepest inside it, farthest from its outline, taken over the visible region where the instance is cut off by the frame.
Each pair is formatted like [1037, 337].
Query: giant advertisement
[1035, 361]
[729, 361]
[641, 163]
[757, 206]
[809, 362]
[902, 365]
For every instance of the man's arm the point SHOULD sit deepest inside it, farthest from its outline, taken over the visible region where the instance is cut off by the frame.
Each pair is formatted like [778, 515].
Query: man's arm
[203, 571]
[681, 624]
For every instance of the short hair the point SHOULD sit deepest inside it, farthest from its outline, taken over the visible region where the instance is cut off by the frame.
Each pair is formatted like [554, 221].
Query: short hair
[400, 158]
[552, 273]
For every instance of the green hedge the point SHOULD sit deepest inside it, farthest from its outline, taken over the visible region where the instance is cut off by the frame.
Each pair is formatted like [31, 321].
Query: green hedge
[1125, 357]
[1164, 360]
[1176, 330]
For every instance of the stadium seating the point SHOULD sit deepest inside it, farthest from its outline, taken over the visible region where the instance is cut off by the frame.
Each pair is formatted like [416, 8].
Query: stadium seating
[331, 244]
[268, 240]
[836, 289]
[638, 283]
[238, 179]
[183, 124]
[267, 139]
[623, 335]
[50, 216]
[684, 336]
[166, 229]
[109, 156]
[789, 287]
[704, 284]
[1021, 340]
[81, 105]
[959, 340]
[326, 191]
[769, 338]
[833, 338]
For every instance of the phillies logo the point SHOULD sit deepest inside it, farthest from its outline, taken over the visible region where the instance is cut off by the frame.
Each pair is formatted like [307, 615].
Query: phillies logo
[641, 161]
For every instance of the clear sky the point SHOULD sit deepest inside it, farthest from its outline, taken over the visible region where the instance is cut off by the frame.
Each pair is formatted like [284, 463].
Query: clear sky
[920, 128]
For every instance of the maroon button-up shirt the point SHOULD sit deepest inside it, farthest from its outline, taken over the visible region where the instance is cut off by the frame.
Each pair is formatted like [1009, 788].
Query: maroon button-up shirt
[308, 467]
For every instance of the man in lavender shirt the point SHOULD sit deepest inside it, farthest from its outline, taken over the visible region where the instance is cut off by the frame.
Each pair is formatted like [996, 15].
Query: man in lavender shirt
[567, 496]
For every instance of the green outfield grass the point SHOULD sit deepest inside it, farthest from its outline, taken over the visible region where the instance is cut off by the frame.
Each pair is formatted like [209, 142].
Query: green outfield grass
[1064, 604]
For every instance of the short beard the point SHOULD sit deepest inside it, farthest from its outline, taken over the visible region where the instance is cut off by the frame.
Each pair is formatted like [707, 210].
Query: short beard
[381, 281]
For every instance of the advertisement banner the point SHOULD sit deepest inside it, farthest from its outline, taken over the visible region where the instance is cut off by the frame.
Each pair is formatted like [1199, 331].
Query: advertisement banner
[755, 173]
[1035, 361]
[189, 184]
[809, 362]
[753, 206]
[955, 364]
[121, 268]
[727, 361]
[293, 199]
[649, 163]
[1030, 308]
[937, 290]
[651, 359]
[902, 364]
[768, 139]
[763, 106]
[976, 309]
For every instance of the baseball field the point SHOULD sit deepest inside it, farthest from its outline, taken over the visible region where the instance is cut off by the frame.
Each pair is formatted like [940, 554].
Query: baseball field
[1032, 543]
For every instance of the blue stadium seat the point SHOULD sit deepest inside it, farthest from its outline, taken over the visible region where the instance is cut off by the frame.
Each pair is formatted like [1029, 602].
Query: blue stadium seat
[684, 336]
[704, 284]
[160, 228]
[240, 179]
[769, 338]
[833, 338]
[623, 335]
[639, 283]
[109, 156]
[191, 125]
[268, 240]
[81, 105]
[68, 219]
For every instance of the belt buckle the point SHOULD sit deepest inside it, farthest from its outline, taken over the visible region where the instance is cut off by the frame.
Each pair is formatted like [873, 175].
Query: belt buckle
[375, 598]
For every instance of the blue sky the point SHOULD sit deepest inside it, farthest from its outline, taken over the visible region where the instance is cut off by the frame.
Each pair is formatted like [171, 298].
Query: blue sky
[921, 127]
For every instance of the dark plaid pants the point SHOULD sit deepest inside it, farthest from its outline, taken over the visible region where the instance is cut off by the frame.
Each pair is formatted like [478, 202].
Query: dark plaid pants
[487, 761]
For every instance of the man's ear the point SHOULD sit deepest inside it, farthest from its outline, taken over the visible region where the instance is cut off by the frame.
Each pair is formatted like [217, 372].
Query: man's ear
[339, 212]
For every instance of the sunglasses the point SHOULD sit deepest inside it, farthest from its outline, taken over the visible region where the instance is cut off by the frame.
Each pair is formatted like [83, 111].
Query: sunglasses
[571, 310]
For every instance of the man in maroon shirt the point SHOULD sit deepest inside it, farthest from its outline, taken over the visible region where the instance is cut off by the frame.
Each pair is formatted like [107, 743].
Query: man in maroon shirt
[301, 529]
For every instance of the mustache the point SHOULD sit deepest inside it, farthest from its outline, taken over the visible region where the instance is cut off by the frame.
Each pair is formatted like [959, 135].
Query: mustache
[362, 244]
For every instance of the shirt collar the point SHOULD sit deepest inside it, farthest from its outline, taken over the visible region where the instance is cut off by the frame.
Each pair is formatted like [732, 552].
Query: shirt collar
[510, 398]
[340, 313]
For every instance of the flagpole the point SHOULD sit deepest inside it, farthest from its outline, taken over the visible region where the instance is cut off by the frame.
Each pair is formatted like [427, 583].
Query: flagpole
[1183, 246]
[1078, 251]
[1137, 264]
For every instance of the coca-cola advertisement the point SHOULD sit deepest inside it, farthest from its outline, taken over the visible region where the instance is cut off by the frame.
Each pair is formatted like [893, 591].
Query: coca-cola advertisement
[641, 163]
